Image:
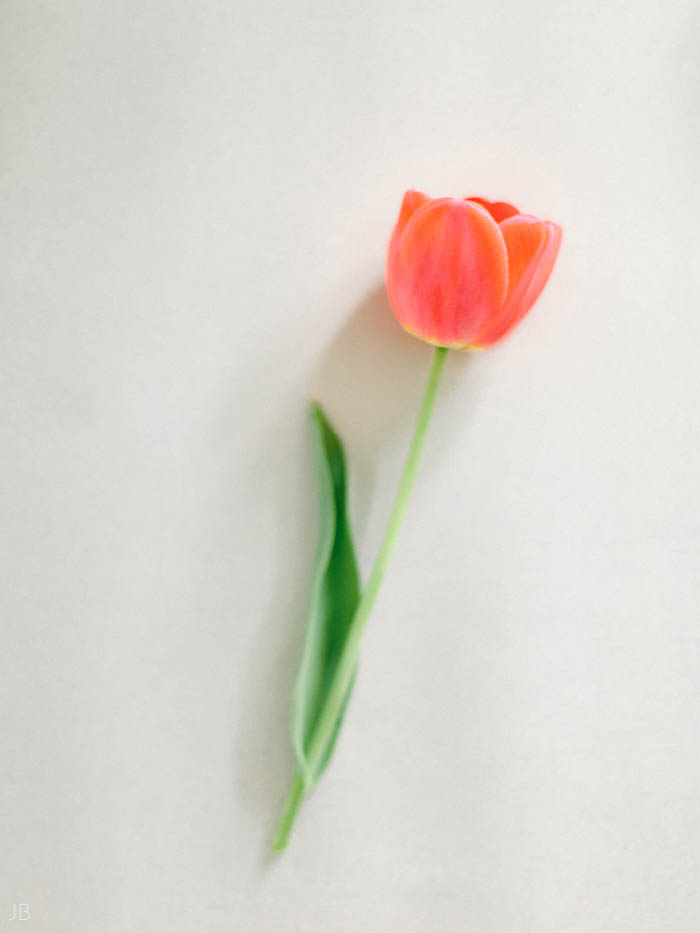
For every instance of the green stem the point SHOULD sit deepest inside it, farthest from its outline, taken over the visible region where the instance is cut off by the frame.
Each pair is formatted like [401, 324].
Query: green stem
[348, 659]
[291, 805]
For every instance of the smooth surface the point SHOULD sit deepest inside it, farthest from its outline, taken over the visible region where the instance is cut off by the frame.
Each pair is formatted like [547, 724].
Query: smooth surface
[196, 199]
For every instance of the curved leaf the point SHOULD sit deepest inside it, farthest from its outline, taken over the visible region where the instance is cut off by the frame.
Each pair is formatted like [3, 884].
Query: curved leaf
[335, 593]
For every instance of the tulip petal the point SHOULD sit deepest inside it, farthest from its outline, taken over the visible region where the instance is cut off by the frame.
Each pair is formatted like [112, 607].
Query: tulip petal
[499, 210]
[447, 272]
[532, 247]
[412, 201]
[541, 271]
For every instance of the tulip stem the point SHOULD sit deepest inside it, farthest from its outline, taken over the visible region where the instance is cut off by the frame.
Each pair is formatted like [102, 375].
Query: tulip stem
[342, 678]
[289, 813]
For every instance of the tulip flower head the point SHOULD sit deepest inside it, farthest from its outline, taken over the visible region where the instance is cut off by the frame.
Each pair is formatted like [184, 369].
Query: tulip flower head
[461, 273]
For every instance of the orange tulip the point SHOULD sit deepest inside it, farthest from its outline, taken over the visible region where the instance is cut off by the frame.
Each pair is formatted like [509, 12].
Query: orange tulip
[459, 273]
[462, 272]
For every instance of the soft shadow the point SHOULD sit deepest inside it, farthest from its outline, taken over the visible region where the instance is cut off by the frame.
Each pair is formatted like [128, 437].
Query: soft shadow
[369, 379]
[370, 372]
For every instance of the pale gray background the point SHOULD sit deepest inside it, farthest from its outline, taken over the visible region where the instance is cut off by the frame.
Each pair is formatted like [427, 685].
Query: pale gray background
[196, 198]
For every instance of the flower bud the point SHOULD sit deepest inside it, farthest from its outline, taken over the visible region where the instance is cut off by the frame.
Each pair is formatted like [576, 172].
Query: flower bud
[462, 272]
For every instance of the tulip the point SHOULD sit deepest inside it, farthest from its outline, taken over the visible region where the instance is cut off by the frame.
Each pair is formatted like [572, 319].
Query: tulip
[461, 273]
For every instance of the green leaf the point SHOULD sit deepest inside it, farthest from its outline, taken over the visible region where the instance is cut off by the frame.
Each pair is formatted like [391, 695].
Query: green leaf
[335, 593]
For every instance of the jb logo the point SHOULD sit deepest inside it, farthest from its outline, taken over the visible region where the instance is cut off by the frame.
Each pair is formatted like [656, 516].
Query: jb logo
[21, 912]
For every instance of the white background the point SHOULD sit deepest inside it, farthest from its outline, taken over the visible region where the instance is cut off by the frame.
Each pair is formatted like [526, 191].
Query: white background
[196, 199]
